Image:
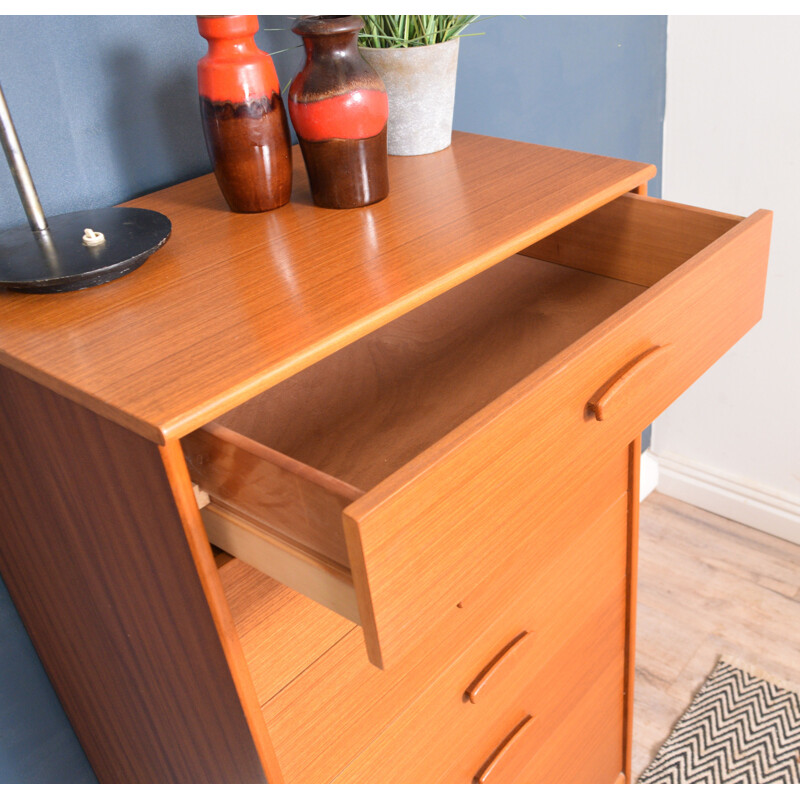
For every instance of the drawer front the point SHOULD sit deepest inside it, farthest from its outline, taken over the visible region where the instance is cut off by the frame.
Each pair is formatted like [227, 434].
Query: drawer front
[342, 698]
[446, 737]
[586, 747]
[419, 539]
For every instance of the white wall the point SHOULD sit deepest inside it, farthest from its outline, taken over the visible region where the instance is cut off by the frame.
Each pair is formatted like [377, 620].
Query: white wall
[731, 444]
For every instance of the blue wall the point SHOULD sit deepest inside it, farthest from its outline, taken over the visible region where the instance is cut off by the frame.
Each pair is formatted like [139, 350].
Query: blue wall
[595, 84]
[106, 110]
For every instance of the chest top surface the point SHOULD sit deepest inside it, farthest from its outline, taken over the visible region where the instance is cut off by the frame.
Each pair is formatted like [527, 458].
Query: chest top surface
[235, 303]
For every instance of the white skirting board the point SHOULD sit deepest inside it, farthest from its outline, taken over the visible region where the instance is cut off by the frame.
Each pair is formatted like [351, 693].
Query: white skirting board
[727, 497]
[648, 474]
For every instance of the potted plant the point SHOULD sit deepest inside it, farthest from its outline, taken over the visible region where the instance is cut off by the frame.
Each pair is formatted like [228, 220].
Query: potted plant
[417, 57]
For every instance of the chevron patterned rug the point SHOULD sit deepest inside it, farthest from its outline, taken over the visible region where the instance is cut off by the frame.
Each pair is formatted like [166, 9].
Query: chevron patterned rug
[739, 728]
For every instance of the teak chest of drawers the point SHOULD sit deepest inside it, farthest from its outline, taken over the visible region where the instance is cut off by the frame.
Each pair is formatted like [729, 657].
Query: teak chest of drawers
[413, 434]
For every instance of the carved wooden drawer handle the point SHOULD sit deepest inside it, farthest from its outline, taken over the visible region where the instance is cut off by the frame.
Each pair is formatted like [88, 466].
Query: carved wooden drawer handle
[502, 764]
[503, 661]
[615, 396]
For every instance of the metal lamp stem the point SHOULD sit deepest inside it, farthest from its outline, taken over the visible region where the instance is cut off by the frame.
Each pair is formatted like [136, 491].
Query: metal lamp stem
[19, 169]
[75, 250]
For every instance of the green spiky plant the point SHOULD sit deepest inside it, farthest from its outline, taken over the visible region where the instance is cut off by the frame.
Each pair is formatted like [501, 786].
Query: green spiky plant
[406, 30]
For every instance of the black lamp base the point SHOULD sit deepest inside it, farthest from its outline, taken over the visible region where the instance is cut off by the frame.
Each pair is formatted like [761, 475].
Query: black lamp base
[57, 260]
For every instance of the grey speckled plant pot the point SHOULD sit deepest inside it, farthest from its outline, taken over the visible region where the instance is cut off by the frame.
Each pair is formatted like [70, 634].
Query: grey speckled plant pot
[421, 84]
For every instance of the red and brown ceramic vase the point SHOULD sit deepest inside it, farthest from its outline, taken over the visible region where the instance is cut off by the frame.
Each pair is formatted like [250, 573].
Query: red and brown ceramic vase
[339, 110]
[244, 120]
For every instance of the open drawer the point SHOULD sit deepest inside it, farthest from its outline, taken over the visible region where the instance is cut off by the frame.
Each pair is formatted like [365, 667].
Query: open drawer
[388, 478]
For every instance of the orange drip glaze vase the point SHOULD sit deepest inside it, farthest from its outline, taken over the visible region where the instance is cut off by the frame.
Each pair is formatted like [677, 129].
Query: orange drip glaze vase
[339, 109]
[244, 120]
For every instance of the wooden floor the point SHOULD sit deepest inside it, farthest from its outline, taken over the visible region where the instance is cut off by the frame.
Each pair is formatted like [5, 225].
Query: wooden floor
[707, 587]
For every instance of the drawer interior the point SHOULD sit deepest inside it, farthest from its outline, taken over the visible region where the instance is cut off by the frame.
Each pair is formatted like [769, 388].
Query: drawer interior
[370, 408]
[282, 467]
[636, 239]
[366, 410]
[295, 456]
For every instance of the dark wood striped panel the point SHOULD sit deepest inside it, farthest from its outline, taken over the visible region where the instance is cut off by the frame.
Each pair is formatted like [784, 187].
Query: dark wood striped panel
[95, 558]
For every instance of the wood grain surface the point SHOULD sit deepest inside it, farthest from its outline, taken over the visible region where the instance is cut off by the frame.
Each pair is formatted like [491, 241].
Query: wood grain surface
[620, 395]
[365, 411]
[635, 238]
[237, 302]
[494, 673]
[442, 737]
[95, 558]
[426, 531]
[281, 632]
[299, 502]
[319, 579]
[502, 767]
[584, 748]
[343, 697]
[208, 573]
[444, 405]
[634, 466]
